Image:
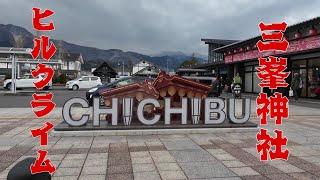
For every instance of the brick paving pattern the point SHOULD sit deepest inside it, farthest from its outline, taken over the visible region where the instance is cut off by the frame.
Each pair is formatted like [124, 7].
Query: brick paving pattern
[184, 156]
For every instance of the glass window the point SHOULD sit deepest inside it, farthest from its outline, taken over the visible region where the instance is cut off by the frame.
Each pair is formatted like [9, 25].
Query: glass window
[299, 64]
[248, 82]
[248, 68]
[85, 79]
[94, 78]
[313, 63]
[3, 65]
[314, 82]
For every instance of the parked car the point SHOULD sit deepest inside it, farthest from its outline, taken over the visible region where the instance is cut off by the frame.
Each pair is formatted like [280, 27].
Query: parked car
[95, 92]
[25, 82]
[84, 82]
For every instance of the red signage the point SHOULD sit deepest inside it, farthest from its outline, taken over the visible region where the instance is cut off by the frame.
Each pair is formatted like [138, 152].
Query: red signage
[299, 45]
[271, 72]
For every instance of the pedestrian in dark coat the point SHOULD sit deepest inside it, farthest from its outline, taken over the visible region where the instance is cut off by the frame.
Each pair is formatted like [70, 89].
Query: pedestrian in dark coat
[295, 85]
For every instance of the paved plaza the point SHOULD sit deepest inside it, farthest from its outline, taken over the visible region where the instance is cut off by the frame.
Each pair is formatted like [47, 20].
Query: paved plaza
[221, 155]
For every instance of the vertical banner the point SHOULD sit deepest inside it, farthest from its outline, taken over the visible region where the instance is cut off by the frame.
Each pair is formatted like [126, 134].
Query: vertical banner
[42, 103]
[271, 72]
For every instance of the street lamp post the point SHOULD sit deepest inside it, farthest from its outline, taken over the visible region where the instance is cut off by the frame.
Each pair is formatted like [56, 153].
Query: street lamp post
[13, 73]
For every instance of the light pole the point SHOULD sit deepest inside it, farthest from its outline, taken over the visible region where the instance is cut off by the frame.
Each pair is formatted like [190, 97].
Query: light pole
[122, 68]
[13, 73]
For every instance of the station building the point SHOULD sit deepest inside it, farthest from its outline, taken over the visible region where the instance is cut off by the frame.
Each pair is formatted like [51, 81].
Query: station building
[303, 57]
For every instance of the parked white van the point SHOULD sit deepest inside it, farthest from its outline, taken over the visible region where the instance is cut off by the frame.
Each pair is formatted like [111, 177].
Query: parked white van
[84, 82]
[26, 81]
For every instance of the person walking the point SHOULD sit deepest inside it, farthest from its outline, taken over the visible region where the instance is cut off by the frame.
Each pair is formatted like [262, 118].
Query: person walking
[295, 85]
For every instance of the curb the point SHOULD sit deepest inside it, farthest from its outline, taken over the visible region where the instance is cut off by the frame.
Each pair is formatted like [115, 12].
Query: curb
[149, 132]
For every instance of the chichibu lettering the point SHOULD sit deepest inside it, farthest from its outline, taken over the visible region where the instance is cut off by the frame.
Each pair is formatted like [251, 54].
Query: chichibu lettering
[215, 111]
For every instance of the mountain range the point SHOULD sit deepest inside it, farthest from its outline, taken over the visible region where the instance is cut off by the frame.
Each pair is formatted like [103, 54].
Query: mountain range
[16, 36]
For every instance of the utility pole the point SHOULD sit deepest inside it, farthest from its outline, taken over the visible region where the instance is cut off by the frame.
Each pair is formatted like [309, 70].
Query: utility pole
[167, 66]
[122, 68]
[13, 73]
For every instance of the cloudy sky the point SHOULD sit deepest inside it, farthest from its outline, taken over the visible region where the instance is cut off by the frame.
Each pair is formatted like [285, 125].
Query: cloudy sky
[153, 26]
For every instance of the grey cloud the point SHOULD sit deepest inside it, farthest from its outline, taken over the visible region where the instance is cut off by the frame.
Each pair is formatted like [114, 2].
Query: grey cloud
[151, 26]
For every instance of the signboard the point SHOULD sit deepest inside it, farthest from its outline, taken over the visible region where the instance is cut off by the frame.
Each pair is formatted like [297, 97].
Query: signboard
[166, 102]
[308, 43]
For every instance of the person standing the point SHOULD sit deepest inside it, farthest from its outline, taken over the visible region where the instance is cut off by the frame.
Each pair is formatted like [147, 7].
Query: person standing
[301, 85]
[237, 80]
[295, 85]
[216, 87]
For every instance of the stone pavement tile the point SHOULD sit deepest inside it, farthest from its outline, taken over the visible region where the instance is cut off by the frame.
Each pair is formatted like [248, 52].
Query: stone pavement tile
[248, 159]
[166, 175]
[315, 172]
[118, 169]
[139, 160]
[18, 150]
[146, 175]
[303, 176]
[181, 145]
[168, 167]
[255, 177]
[233, 163]
[72, 163]
[55, 157]
[279, 176]
[217, 141]
[64, 177]
[192, 156]
[98, 150]
[157, 148]
[308, 167]
[138, 148]
[74, 171]
[118, 147]
[58, 151]
[195, 170]
[296, 160]
[246, 144]
[143, 167]
[292, 143]
[5, 148]
[135, 143]
[32, 152]
[266, 169]
[287, 168]
[161, 156]
[208, 146]
[92, 177]
[94, 170]
[244, 171]
[6, 158]
[78, 151]
[4, 174]
[216, 151]
[139, 154]
[235, 141]
[122, 176]
[56, 163]
[97, 156]
[311, 159]
[224, 157]
[118, 158]
[95, 162]
[75, 156]
[227, 145]
[154, 142]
